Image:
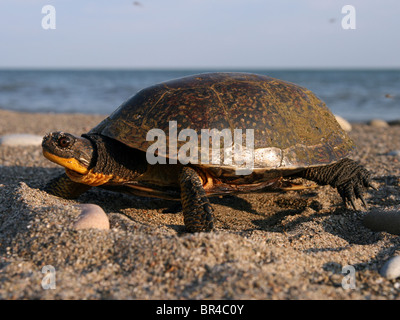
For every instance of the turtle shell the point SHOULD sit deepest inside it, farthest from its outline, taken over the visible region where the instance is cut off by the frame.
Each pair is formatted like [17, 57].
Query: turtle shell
[292, 127]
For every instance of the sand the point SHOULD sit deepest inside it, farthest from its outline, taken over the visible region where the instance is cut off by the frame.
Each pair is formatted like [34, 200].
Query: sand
[290, 245]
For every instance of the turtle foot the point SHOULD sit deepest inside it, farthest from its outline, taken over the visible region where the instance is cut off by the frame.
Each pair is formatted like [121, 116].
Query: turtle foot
[349, 177]
[197, 211]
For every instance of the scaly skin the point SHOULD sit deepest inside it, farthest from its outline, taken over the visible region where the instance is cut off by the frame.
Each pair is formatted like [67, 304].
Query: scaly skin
[350, 178]
[197, 211]
[62, 186]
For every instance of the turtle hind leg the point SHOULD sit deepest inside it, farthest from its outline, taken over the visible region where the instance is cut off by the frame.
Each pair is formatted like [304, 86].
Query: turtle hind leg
[197, 211]
[62, 186]
[349, 178]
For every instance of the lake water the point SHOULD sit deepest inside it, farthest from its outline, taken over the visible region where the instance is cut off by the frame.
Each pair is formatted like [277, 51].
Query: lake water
[357, 95]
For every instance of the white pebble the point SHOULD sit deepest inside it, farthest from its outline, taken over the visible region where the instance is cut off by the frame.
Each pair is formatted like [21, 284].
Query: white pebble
[391, 269]
[346, 126]
[22, 139]
[91, 217]
[378, 123]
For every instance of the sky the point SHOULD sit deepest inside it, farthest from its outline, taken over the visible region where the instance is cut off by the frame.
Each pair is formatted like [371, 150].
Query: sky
[179, 34]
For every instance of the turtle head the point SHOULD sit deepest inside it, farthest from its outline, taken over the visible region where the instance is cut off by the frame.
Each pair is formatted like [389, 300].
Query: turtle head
[73, 153]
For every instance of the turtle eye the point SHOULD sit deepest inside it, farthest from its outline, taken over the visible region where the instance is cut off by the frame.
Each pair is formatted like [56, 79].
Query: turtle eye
[64, 142]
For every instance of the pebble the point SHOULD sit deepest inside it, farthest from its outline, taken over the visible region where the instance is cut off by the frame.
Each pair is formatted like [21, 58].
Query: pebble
[394, 153]
[378, 123]
[346, 126]
[391, 268]
[388, 221]
[21, 139]
[91, 217]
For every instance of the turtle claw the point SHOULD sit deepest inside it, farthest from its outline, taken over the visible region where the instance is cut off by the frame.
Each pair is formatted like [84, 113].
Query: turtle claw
[349, 178]
[353, 204]
[364, 202]
[355, 187]
[372, 186]
[349, 197]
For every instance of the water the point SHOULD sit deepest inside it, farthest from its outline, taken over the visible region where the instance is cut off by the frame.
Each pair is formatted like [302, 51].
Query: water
[359, 95]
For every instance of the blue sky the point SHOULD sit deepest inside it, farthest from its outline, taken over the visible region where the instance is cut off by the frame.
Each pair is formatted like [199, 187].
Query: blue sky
[200, 34]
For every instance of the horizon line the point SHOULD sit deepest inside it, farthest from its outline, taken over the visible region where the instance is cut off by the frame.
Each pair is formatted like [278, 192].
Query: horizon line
[396, 68]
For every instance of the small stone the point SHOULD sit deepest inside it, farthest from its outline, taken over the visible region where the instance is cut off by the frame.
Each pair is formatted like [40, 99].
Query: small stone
[391, 268]
[91, 217]
[388, 221]
[346, 126]
[22, 139]
[394, 153]
[378, 123]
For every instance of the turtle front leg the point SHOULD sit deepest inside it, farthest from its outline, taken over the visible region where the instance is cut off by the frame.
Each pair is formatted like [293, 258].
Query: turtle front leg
[62, 186]
[197, 211]
[350, 178]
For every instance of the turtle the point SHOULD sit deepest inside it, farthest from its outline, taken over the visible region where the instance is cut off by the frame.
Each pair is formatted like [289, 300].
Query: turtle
[295, 135]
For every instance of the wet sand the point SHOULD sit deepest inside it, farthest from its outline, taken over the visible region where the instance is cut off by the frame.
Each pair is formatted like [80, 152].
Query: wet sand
[265, 246]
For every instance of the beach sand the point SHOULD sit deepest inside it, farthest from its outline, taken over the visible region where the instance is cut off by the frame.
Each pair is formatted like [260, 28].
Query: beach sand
[265, 246]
